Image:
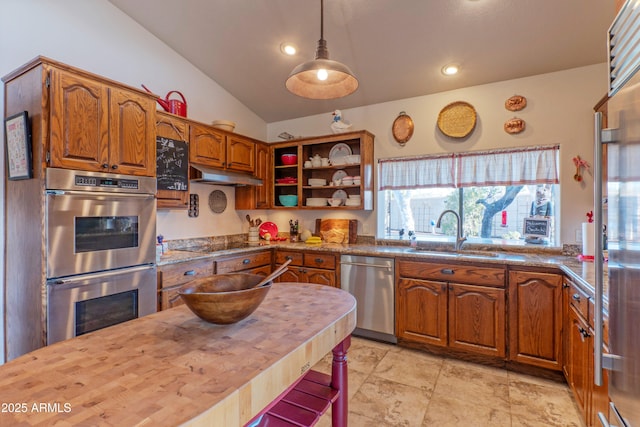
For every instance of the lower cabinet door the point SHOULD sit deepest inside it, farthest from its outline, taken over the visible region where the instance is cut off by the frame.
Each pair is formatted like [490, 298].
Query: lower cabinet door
[421, 311]
[319, 276]
[477, 319]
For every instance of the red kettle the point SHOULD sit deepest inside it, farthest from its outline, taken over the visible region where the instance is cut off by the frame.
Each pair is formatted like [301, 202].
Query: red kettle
[173, 106]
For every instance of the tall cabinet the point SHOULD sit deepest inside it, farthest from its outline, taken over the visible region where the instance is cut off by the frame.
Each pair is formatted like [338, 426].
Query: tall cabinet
[78, 120]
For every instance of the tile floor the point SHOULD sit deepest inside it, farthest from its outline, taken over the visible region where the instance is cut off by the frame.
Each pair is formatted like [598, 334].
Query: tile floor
[395, 386]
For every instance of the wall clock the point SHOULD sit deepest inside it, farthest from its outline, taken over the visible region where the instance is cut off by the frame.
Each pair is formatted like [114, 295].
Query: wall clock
[402, 128]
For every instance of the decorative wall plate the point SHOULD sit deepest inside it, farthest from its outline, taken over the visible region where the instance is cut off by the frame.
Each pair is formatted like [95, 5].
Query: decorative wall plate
[514, 125]
[457, 119]
[217, 201]
[402, 128]
[515, 103]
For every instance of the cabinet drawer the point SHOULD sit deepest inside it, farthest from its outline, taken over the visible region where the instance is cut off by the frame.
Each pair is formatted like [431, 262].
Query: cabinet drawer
[319, 260]
[579, 299]
[592, 321]
[468, 274]
[242, 262]
[295, 257]
[177, 274]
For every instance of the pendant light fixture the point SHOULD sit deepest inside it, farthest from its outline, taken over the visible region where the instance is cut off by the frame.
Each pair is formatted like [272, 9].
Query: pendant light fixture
[322, 78]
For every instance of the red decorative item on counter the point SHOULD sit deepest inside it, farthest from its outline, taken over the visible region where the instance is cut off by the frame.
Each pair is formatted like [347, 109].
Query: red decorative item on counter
[590, 216]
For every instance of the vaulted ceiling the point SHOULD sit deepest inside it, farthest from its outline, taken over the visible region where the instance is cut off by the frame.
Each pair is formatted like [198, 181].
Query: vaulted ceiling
[396, 48]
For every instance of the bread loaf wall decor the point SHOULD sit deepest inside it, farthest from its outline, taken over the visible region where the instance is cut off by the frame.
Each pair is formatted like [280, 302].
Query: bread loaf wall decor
[515, 103]
[514, 126]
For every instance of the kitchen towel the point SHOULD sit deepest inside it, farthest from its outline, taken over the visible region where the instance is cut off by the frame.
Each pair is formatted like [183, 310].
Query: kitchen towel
[588, 239]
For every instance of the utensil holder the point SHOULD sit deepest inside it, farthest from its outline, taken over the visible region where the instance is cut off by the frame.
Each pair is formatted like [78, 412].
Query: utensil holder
[254, 235]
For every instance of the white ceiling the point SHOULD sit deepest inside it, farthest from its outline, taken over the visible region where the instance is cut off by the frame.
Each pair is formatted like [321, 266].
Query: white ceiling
[396, 48]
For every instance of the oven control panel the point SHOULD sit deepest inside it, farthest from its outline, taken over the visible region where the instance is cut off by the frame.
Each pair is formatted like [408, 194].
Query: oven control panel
[100, 182]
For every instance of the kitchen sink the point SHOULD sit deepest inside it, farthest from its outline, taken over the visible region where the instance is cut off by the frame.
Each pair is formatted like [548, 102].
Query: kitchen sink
[462, 253]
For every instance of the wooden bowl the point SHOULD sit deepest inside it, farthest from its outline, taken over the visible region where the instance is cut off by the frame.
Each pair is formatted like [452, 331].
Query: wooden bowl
[225, 298]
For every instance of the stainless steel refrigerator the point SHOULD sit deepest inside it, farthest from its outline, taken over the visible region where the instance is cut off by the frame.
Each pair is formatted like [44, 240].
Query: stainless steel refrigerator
[618, 207]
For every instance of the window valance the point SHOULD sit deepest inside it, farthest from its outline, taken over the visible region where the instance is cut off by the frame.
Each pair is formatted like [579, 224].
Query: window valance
[517, 166]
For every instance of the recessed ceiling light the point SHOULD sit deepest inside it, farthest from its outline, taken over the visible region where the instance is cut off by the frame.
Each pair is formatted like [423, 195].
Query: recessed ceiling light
[288, 49]
[450, 70]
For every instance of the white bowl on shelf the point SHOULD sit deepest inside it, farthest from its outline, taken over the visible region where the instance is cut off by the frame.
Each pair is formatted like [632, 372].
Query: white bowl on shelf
[352, 202]
[316, 201]
[347, 180]
[317, 182]
[335, 201]
[338, 161]
[353, 159]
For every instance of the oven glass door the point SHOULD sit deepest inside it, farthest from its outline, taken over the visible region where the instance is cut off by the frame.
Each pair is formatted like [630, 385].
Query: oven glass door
[92, 231]
[89, 302]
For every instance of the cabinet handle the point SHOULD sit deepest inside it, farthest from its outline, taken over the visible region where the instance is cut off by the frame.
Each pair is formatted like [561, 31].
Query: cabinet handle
[105, 166]
[174, 299]
[289, 257]
[447, 271]
[565, 285]
[190, 273]
[246, 261]
[114, 167]
[576, 297]
[319, 260]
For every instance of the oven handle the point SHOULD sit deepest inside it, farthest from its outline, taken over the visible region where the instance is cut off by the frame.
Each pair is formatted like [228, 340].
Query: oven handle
[98, 195]
[99, 275]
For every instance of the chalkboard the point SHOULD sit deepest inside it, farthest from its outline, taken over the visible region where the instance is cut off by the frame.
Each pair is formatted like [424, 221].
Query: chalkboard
[172, 164]
[540, 227]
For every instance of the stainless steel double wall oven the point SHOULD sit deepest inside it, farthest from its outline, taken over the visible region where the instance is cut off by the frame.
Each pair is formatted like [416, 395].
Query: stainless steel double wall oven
[100, 250]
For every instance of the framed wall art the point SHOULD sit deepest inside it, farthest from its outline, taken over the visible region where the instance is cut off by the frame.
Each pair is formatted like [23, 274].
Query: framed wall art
[18, 146]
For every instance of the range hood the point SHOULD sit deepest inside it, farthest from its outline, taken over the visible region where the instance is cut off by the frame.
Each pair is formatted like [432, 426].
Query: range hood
[220, 177]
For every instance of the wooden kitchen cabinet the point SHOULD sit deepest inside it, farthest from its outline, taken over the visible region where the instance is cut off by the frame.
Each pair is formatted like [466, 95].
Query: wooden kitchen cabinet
[309, 267]
[358, 143]
[535, 318]
[259, 196]
[221, 150]
[96, 126]
[171, 126]
[477, 319]
[421, 311]
[579, 345]
[253, 262]
[172, 276]
[456, 306]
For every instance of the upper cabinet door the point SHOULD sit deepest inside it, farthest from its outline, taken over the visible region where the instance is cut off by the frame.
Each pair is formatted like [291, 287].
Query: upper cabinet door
[132, 133]
[79, 123]
[206, 146]
[241, 154]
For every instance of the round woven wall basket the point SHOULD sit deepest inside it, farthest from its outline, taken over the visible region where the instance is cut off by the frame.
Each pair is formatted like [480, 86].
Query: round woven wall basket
[457, 119]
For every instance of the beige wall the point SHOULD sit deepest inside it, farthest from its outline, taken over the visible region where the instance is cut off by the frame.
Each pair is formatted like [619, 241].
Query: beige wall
[559, 111]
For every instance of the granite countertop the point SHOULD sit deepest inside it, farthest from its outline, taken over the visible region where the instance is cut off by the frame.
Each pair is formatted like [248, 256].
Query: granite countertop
[581, 272]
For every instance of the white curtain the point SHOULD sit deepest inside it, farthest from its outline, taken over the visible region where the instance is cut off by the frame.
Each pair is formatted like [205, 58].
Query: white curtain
[517, 166]
[533, 165]
[405, 173]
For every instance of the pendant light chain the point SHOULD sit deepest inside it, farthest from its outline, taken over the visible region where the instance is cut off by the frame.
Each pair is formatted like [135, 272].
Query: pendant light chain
[321, 19]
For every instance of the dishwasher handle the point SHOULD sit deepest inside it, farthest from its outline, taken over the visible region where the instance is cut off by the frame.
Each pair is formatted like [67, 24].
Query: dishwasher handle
[362, 264]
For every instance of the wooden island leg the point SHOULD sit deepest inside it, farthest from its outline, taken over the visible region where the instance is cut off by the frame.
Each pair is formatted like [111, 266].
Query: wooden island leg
[339, 379]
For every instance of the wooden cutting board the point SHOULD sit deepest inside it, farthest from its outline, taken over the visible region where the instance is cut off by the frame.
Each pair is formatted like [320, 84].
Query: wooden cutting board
[332, 228]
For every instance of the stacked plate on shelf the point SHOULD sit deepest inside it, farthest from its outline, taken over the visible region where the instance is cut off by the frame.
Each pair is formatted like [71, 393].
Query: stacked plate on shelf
[316, 201]
[353, 200]
[317, 182]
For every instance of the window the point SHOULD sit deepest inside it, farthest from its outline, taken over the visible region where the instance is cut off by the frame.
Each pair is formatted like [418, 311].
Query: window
[493, 191]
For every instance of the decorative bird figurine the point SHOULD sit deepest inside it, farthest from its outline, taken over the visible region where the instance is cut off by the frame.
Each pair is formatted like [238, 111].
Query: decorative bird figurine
[338, 125]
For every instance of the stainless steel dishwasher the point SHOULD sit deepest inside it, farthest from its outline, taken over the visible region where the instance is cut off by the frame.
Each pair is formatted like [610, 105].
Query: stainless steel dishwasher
[371, 281]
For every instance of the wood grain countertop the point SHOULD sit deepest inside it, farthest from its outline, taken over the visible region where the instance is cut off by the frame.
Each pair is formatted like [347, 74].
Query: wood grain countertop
[171, 368]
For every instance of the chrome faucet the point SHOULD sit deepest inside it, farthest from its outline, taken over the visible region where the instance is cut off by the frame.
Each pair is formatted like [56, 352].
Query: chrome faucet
[459, 239]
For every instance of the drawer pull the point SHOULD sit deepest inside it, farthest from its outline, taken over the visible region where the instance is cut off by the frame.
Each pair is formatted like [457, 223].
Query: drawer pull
[190, 273]
[447, 271]
[246, 261]
[289, 257]
[319, 260]
[576, 297]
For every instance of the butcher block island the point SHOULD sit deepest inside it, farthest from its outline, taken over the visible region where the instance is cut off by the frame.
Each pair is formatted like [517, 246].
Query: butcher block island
[172, 368]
